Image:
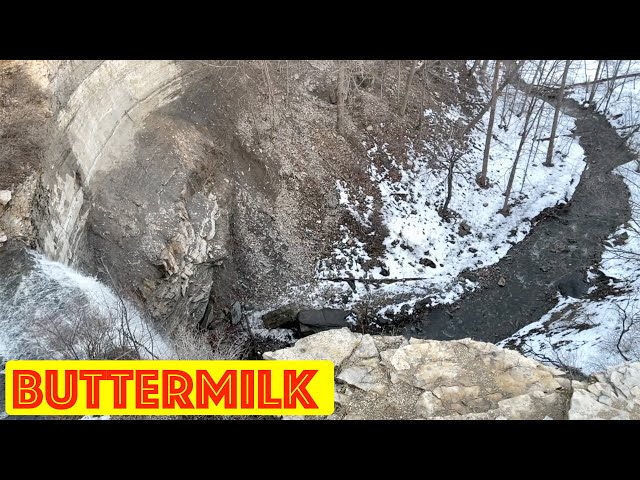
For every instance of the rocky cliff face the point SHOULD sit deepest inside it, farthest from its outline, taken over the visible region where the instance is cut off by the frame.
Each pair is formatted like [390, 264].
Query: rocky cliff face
[191, 185]
[165, 176]
[397, 378]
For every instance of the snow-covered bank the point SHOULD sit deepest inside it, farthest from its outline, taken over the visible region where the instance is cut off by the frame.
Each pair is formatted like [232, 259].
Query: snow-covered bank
[592, 334]
[618, 100]
[423, 253]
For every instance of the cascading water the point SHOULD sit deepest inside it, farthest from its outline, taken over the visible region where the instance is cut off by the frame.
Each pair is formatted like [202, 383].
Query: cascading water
[48, 310]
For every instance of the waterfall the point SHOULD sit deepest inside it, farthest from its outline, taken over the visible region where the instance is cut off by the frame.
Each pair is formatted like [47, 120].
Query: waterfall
[50, 311]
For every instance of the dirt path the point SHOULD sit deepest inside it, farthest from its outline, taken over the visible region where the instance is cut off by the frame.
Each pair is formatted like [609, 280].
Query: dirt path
[569, 241]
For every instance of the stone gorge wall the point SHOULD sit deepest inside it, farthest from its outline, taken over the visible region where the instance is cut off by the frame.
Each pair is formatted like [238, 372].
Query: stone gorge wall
[97, 108]
[153, 176]
[86, 214]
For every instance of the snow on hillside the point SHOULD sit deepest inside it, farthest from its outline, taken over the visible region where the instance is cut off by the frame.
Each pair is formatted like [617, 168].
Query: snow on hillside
[592, 334]
[426, 250]
[622, 106]
[588, 334]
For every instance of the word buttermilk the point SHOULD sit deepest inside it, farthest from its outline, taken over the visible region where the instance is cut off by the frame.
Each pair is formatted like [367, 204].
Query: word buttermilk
[168, 387]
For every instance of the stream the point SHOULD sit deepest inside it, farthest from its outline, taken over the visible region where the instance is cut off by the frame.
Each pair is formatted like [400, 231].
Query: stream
[558, 251]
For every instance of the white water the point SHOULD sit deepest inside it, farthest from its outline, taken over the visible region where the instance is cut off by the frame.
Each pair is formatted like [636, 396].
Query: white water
[46, 306]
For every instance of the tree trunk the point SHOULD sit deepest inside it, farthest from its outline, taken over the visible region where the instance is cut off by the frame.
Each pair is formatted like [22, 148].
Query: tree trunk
[528, 88]
[612, 85]
[398, 84]
[407, 90]
[592, 94]
[424, 93]
[342, 97]
[624, 83]
[486, 108]
[445, 208]
[554, 126]
[482, 180]
[483, 70]
[475, 65]
[525, 132]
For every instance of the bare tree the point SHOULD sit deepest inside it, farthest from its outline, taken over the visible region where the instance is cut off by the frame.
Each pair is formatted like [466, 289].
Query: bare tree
[505, 81]
[425, 77]
[482, 178]
[594, 85]
[449, 155]
[611, 84]
[556, 115]
[628, 320]
[451, 160]
[525, 132]
[483, 70]
[343, 85]
[407, 89]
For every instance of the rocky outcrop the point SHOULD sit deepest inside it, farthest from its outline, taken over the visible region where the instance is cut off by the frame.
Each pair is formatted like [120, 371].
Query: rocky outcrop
[15, 216]
[313, 321]
[396, 378]
[157, 174]
[614, 395]
[5, 197]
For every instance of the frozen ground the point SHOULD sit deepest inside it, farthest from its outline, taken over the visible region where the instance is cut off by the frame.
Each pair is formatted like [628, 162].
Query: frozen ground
[592, 334]
[424, 254]
[588, 334]
[619, 100]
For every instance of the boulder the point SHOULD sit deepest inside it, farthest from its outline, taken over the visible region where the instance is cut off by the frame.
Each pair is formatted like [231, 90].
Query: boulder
[427, 262]
[464, 229]
[313, 321]
[573, 284]
[394, 378]
[283, 317]
[334, 345]
[236, 313]
[614, 395]
[5, 197]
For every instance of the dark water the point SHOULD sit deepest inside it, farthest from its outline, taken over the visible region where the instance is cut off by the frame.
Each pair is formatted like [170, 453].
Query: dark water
[569, 241]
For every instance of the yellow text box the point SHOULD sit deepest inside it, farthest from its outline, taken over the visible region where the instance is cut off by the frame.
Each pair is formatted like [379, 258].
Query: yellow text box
[169, 387]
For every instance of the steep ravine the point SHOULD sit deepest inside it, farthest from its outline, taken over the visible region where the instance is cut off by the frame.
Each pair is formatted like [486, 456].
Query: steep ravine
[161, 175]
[556, 254]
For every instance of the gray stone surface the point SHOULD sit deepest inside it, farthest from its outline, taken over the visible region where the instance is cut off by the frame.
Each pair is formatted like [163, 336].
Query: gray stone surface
[5, 197]
[613, 395]
[312, 321]
[334, 345]
[283, 317]
[236, 313]
[392, 378]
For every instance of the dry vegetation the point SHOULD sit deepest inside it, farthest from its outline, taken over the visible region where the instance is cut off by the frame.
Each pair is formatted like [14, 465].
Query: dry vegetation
[23, 114]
